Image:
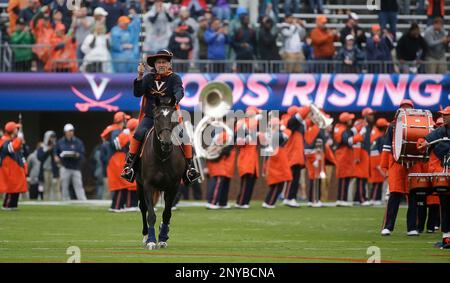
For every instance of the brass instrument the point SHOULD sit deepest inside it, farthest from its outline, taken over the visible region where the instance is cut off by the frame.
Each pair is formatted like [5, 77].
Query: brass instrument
[216, 99]
[319, 118]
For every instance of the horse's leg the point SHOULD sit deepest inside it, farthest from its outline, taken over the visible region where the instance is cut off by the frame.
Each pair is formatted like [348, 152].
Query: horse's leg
[143, 209]
[151, 218]
[163, 236]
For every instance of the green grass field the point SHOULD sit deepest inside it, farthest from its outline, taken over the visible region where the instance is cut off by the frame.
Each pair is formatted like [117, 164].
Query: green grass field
[43, 234]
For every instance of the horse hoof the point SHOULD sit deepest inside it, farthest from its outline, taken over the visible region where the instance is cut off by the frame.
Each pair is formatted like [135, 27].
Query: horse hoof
[144, 240]
[162, 245]
[151, 246]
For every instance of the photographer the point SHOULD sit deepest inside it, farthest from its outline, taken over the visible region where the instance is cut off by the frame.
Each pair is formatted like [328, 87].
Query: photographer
[48, 172]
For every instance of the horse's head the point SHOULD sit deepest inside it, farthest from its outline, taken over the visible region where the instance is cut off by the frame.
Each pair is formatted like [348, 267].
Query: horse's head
[164, 123]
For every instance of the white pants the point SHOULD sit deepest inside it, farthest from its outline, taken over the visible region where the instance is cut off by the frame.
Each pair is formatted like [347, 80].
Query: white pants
[74, 176]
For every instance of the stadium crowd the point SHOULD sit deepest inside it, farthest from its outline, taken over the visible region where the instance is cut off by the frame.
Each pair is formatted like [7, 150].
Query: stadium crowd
[104, 36]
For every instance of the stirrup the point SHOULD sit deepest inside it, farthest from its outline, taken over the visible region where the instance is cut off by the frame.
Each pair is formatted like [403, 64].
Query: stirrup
[187, 179]
[128, 174]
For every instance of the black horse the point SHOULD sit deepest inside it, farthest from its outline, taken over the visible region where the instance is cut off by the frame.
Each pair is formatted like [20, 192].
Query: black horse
[161, 168]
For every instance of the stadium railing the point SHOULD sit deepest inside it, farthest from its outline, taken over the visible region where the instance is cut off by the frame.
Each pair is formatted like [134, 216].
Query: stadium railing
[8, 64]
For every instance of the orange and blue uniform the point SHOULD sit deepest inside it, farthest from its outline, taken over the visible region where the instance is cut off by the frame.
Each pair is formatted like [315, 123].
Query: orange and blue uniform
[278, 172]
[248, 158]
[296, 148]
[220, 172]
[12, 167]
[377, 176]
[343, 141]
[115, 147]
[317, 152]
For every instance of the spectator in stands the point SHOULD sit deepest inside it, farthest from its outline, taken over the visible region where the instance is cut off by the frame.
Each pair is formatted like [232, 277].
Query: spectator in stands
[180, 44]
[96, 48]
[100, 16]
[63, 54]
[158, 30]
[316, 6]
[115, 10]
[185, 18]
[195, 7]
[435, 9]
[125, 44]
[82, 25]
[404, 6]
[269, 7]
[133, 4]
[293, 33]
[351, 27]
[175, 8]
[14, 8]
[244, 44]
[43, 31]
[217, 39]
[208, 16]
[221, 10]
[252, 8]
[350, 56]
[28, 13]
[202, 45]
[288, 6]
[57, 18]
[388, 15]
[411, 50]
[49, 171]
[22, 55]
[267, 42]
[437, 40]
[70, 155]
[378, 51]
[322, 40]
[63, 12]
[270, 12]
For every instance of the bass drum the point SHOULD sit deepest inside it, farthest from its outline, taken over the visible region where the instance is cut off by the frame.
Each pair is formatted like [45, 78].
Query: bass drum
[441, 182]
[411, 124]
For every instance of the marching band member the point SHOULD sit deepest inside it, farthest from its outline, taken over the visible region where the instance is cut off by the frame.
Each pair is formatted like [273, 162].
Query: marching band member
[431, 205]
[248, 158]
[361, 151]
[344, 139]
[13, 169]
[115, 149]
[132, 199]
[377, 175]
[317, 152]
[398, 183]
[277, 167]
[220, 172]
[295, 147]
[438, 160]
[163, 82]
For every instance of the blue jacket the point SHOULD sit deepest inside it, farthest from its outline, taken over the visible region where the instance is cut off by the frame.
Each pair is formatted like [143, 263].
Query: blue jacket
[73, 145]
[217, 44]
[125, 59]
[443, 148]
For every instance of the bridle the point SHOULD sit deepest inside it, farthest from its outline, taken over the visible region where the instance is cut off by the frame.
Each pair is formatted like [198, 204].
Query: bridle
[158, 132]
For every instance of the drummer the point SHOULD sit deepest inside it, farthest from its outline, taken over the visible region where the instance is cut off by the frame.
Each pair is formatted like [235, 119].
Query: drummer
[440, 152]
[398, 183]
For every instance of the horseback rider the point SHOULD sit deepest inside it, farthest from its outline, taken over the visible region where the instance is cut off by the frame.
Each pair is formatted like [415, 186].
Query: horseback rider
[160, 83]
